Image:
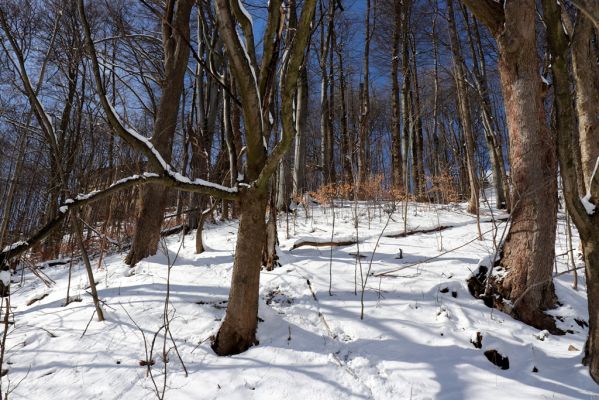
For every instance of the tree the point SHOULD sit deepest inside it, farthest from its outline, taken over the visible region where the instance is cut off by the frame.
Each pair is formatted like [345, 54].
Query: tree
[175, 43]
[464, 110]
[238, 330]
[528, 251]
[587, 221]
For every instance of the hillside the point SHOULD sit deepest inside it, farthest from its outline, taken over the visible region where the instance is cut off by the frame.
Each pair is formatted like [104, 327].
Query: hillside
[415, 341]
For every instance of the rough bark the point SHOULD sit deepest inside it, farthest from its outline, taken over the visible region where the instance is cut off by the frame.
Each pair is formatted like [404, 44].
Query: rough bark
[528, 251]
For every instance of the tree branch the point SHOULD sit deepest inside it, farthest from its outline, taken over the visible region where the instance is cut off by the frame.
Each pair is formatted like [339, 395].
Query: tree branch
[80, 200]
[291, 70]
[169, 177]
[590, 8]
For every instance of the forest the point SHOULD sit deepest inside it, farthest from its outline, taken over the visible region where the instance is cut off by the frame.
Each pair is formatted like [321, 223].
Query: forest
[341, 199]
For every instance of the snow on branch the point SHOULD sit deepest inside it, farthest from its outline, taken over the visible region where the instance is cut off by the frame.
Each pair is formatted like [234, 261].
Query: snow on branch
[168, 175]
[80, 200]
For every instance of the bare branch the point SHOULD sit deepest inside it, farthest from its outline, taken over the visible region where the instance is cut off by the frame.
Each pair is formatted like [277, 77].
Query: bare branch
[180, 183]
[590, 8]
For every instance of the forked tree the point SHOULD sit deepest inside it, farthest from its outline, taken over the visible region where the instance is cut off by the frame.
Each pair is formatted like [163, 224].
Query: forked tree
[255, 86]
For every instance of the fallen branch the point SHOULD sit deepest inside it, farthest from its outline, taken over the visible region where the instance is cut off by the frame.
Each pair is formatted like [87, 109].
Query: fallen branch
[315, 243]
[388, 273]
[416, 231]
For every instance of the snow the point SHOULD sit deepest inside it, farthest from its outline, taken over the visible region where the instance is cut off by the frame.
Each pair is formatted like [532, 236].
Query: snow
[586, 200]
[5, 277]
[586, 203]
[414, 342]
[13, 246]
[165, 166]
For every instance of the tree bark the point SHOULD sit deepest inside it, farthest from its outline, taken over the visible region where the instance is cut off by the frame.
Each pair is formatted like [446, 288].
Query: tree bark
[238, 330]
[405, 92]
[528, 251]
[346, 140]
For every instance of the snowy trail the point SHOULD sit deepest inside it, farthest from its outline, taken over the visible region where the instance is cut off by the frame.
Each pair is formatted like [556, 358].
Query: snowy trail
[414, 342]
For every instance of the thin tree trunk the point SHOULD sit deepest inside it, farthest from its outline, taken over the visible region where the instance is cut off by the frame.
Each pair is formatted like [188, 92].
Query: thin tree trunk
[301, 122]
[464, 110]
[405, 91]
[364, 119]
[346, 150]
[396, 159]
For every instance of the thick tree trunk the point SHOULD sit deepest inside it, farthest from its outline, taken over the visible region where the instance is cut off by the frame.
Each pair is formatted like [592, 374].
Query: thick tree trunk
[529, 249]
[238, 330]
[565, 114]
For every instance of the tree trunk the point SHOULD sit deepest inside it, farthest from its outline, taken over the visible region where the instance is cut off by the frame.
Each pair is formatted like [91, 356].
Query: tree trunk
[529, 249]
[491, 136]
[153, 197]
[396, 159]
[587, 224]
[270, 259]
[238, 330]
[301, 123]
[586, 75]
[464, 110]
[418, 150]
[405, 92]
[346, 151]
[364, 120]
[590, 249]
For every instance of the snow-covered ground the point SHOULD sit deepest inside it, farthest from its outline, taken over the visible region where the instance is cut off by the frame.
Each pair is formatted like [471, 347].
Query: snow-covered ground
[413, 343]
